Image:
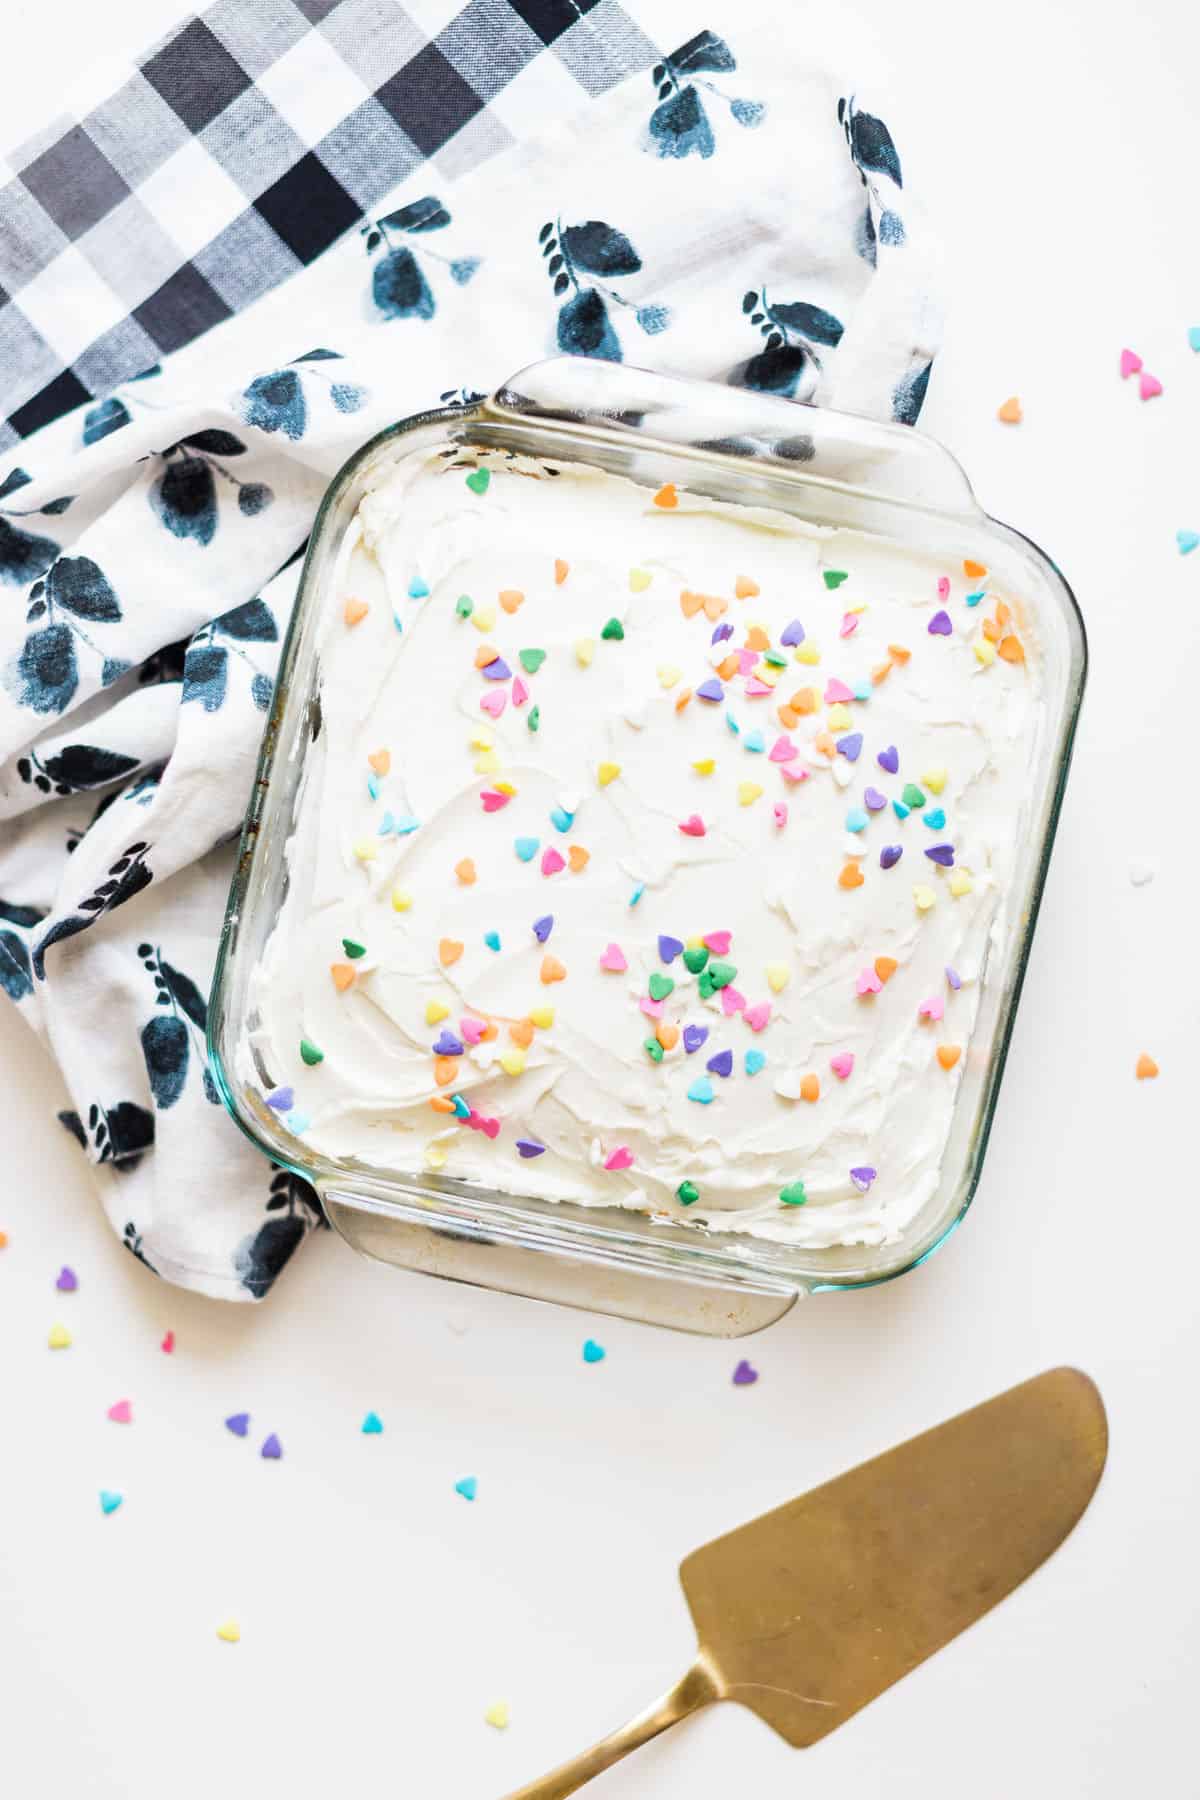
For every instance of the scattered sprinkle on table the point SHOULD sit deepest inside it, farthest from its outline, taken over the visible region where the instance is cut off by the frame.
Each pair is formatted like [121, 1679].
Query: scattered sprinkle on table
[59, 1338]
[67, 1281]
[468, 1487]
[121, 1412]
[272, 1448]
[1010, 412]
[168, 1343]
[592, 1351]
[497, 1715]
[745, 1375]
[238, 1423]
[372, 1425]
[110, 1501]
[1187, 541]
[230, 1632]
[1147, 1068]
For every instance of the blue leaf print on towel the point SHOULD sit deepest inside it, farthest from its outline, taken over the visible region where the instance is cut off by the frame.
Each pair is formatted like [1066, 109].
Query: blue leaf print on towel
[184, 497]
[205, 669]
[874, 155]
[259, 1258]
[206, 664]
[127, 876]
[105, 417]
[597, 249]
[23, 555]
[166, 1038]
[278, 402]
[16, 977]
[75, 768]
[165, 1049]
[45, 673]
[119, 1134]
[132, 1240]
[399, 286]
[790, 328]
[679, 125]
[909, 395]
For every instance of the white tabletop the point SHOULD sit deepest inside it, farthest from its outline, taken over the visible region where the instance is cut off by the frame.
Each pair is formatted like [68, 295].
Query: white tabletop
[380, 1612]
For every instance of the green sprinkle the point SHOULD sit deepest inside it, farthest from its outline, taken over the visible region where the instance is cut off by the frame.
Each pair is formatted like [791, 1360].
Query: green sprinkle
[793, 1194]
[720, 973]
[835, 577]
[687, 1192]
[464, 606]
[653, 1049]
[660, 986]
[614, 629]
[775, 660]
[478, 480]
[694, 960]
[912, 795]
[706, 985]
[531, 660]
[309, 1053]
[353, 948]
[535, 718]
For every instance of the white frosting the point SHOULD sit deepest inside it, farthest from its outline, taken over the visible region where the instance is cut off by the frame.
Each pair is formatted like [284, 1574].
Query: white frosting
[589, 1087]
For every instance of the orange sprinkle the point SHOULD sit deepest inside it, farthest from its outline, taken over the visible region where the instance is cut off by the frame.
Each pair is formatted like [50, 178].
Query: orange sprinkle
[898, 653]
[851, 876]
[804, 700]
[552, 969]
[885, 967]
[667, 1034]
[745, 589]
[445, 1068]
[579, 858]
[441, 1105]
[788, 717]
[511, 598]
[465, 870]
[975, 571]
[486, 653]
[1012, 649]
[757, 639]
[682, 698]
[521, 1033]
[729, 668]
[560, 571]
[449, 951]
[666, 495]
[690, 603]
[948, 1055]
[880, 672]
[714, 606]
[3, 1240]
[355, 611]
[1003, 612]
[824, 742]
[992, 631]
[810, 1088]
[380, 761]
[1147, 1068]
[1010, 413]
[343, 976]
[490, 1033]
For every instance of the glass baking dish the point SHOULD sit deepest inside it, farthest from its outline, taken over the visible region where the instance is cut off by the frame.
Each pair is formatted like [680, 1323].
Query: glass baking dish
[888, 482]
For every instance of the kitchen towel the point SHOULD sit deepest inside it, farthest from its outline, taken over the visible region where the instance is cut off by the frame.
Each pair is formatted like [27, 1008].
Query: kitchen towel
[286, 226]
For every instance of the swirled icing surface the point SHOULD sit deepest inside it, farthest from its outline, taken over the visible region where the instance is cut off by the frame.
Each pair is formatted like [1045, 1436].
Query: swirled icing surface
[540, 785]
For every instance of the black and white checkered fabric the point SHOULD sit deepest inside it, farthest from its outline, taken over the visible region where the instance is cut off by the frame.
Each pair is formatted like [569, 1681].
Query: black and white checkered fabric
[239, 148]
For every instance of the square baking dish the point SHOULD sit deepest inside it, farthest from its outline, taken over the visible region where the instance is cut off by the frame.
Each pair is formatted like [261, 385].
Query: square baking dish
[884, 482]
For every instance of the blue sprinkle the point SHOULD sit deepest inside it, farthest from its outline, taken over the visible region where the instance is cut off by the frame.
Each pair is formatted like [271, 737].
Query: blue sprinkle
[385, 824]
[974, 599]
[901, 811]
[862, 690]
[755, 1060]
[492, 939]
[754, 740]
[404, 824]
[710, 690]
[397, 621]
[637, 893]
[526, 848]
[543, 927]
[561, 819]
[461, 1107]
[109, 1501]
[446, 1044]
[418, 589]
[468, 1487]
[373, 785]
[593, 1352]
[297, 1122]
[732, 724]
[701, 1091]
[935, 818]
[856, 819]
[372, 1425]
[721, 1063]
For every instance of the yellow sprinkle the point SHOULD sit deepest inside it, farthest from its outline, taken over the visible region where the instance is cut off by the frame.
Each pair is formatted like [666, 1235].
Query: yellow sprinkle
[60, 1338]
[838, 716]
[767, 674]
[639, 580]
[481, 738]
[778, 976]
[585, 649]
[705, 766]
[925, 898]
[497, 1714]
[401, 900]
[807, 653]
[435, 1010]
[748, 792]
[506, 787]
[961, 883]
[487, 762]
[860, 608]
[435, 1156]
[934, 780]
[483, 618]
[512, 1061]
[607, 771]
[695, 943]
[230, 1632]
[668, 675]
[985, 652]
[365, 850]
[542, 1017]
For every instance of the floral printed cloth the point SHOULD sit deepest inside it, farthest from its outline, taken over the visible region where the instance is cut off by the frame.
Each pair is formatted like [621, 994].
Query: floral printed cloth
[728, 210]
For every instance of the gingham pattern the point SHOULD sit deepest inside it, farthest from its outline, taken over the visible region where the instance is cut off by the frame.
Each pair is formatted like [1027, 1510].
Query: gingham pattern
[240, 148]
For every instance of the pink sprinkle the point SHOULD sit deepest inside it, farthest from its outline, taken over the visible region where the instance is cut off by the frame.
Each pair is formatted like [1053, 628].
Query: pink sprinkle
[943, 587]
[732, 1002]
[837, 690]
[1131, 362]
[491, 1127]
[621, 1158]
[692, 826]
[494, 701]
[520, 693]
[747, 661]
[493, 799]
[794, 772]
[121, 1412]
[755, 689]
[757, 1017]
[613, 958]
[849, 625]
[779, 811]
[718, 942]
[472, 1030]
[842, 1064]
[868, 983]
[782, 750]
[653, 1009]
[1149, 386]
[552, 861]
[168, 1343]
[931, 1009]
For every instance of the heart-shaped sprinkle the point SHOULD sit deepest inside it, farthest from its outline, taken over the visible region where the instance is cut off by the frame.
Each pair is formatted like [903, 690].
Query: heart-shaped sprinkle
[660, 986]
[578, 858]
[867, 982]
[613, 631]
[468, 1487]
[721, 1063]
[943, 587]
[948, 1055]
[493, 799]
[449, 951]
[59, 1338]
[1131, 362]
[873, 800]
[842, 1064]
[755, 689]
[1194, 336]
[850, 746]
[793, 1194]
[472, 1029]
[620, 1158]
[372, 1425]
[529, 1147]
[933, 1008]
[732, 1001]
[851, 876]
[531, 660]
[67, 1281]
[810, 1088]
[493, 702]
[783, 750]
[941, 625]
[687, 1193]
[924, 898]
[1010, 412]
[745, 1375]
[520, 693]
[666, 496]
[1149, 386]
[885, 968]
[526, 847]
[552, 861]
[862, 1177]
[792, 634]
[592, 1351]
[942, 854]
[779, 813]
[710, 690]
[834, 578]
[754, 1062]
[701, 1091]
[666, 1035]
[935, 818]
[109, 1501]
[498, 670]
[607, 772]
[856, 819]
[693, 1037]
[310, 1054]
[238, 1423]
[653, 1009]
[669, 948]
[121, 1412]
[1187, 541]
[168, 1342]
[511, 599]
[552, 969]
[745, 588]
[464, 606]
[543, 927]
[478, 480]
[343, 976]
[614, 959]
[355, 611]
[836, 692]
[757, 1016]
[692, 826]
[447, 1044]
[794, 772]
[889, 759]
[890, 855]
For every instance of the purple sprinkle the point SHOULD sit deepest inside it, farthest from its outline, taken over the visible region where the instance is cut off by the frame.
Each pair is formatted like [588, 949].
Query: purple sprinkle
[710, 690]
[722, 632]
[873, 800]
[953, 977]
[67, 1281]
[497, 671]
[792, 634]
[669, 948]
[942, 854]
[528, 1147]
[850, 746]
[448, 1045]
[693, 1037]
[721, 1063]
[238, 1423]
[862, 1178]
[543, 927]
[745, 1375]
[940, 625]
[890, 855]
[889, 759]
[282, 1099]
[272, 1448]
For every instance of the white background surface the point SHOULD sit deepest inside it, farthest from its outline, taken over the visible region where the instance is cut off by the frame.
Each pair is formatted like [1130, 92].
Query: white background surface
[381, 1613]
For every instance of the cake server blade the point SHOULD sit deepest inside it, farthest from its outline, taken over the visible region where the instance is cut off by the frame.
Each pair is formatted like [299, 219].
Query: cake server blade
[809, 1612]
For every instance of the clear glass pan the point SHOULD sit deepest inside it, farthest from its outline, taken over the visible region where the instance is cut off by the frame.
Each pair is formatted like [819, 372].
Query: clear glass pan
[827, 468]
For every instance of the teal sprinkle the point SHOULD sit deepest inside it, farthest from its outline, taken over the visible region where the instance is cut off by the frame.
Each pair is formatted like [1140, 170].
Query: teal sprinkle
[404, 824]
[732, 724]
[372, 1425]
[774, 660]
[386, 824]
[526, 848]
[468, 1487]
[461, 1108]
[637, 893]
[297, 1122]
[109, 1501]
[492, 939]
[862, 690]
[701, 1091]
[754, 740]
[397, 621]
[901, 811]
[935, 818]
[856, 819]
[418, 589]
[974, 599]
[755, 1060]
[593, 1352]
[373, 785]
[561, 819]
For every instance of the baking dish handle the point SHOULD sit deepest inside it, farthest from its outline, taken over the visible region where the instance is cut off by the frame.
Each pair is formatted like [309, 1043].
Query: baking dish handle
[615, 402]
